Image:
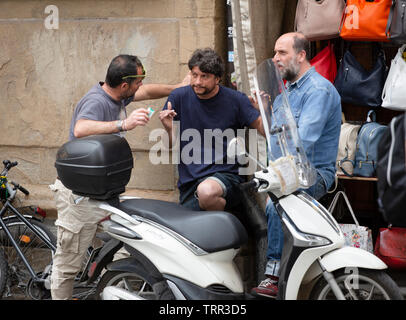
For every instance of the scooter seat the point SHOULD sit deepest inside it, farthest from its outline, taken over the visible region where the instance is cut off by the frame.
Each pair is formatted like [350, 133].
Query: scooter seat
[211, 231]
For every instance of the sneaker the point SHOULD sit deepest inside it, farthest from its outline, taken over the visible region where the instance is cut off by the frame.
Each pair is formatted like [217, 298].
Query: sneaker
[267, 288]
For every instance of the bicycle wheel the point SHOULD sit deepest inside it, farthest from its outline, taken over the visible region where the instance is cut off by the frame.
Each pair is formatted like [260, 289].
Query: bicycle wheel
[3, 272]
[35, 250]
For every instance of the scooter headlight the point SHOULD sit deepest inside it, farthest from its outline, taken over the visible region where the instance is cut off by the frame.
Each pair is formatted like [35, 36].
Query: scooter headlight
[315, 241]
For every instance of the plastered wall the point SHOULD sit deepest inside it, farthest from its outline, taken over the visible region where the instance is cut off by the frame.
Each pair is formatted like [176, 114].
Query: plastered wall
[50, 58]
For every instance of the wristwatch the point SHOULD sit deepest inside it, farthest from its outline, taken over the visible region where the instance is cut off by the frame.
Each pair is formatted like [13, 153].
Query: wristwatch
[119, 125]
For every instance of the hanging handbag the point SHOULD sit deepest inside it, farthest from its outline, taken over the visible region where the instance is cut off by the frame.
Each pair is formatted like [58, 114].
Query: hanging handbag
[319, 19]
[391, 172]
[365, 20]
[357, 85]
[325, 63]
[346, 149]
[355, 235]
[394, 90]
[396, 26]
[390, 247]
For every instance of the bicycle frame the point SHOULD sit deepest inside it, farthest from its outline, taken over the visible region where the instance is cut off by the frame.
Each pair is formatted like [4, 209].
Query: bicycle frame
[96, 261]
[8, 205]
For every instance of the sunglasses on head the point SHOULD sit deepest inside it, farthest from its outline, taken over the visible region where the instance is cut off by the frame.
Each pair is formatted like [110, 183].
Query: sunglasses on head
[143, 75]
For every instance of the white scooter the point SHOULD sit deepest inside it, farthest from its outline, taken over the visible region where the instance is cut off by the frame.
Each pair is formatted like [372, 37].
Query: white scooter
[181, 254]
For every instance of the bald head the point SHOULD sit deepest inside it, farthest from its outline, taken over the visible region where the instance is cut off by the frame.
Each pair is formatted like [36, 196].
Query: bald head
[298, 42]
[291, 55]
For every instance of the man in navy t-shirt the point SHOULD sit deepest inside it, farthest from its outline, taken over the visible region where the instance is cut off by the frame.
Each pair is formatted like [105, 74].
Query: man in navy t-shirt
[208, 115]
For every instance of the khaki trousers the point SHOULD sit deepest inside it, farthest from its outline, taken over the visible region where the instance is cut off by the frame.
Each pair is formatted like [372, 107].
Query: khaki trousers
[77, 224]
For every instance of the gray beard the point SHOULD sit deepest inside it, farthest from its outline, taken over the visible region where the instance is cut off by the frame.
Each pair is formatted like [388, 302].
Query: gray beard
[291, 72]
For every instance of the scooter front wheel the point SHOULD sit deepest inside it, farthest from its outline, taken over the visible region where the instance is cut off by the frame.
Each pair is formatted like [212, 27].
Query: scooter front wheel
[358, 284]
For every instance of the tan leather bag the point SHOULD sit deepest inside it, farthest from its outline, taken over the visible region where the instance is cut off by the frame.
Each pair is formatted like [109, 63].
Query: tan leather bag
[319, 19]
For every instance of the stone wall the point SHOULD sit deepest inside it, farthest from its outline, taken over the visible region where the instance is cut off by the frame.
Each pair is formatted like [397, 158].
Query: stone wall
[44, 72]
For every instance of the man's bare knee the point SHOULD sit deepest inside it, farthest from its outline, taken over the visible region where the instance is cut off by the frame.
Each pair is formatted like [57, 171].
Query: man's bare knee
[209, 194]
[209, 189]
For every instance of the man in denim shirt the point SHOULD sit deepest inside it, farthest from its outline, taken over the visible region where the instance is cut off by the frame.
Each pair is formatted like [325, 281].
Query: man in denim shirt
[316, 106]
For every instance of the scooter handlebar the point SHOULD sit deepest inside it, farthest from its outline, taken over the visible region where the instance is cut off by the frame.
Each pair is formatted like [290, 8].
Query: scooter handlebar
[254, 183]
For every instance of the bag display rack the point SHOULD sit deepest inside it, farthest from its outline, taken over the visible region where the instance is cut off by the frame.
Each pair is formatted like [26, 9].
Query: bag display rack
[362, 191]
[363, 54]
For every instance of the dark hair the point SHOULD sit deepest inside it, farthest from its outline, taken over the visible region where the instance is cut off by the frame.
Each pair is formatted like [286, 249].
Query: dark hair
[121, 66]
[300, 43]
[208, 61]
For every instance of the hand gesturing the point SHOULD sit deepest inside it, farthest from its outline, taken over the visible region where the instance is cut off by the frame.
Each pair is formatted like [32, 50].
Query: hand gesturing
[166, 116]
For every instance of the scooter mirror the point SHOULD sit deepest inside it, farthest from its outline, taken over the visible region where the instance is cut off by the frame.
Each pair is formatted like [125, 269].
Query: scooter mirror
[236, 147]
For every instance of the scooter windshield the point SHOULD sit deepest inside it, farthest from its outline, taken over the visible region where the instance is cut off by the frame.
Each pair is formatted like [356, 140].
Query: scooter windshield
[283, 141]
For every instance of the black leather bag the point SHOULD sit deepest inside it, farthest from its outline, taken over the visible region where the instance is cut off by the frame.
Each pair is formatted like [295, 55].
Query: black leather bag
[391, 172]
[396, 27]
[358, 86]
